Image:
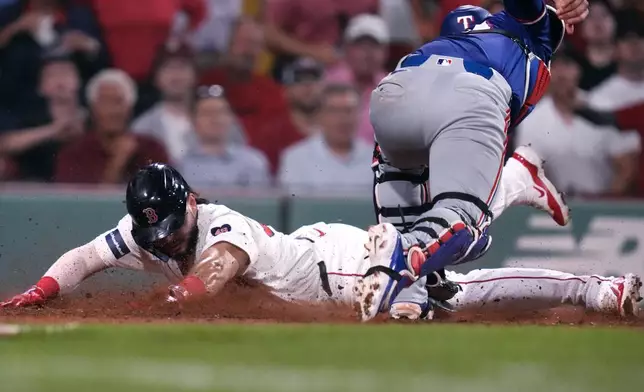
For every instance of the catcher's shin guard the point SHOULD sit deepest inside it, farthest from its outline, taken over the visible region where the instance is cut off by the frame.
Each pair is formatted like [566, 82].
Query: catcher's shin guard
[399, 196]
[452, 239]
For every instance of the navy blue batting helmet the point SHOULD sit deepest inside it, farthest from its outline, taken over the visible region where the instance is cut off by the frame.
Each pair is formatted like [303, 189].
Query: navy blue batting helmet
[156, 198]
[462, 19]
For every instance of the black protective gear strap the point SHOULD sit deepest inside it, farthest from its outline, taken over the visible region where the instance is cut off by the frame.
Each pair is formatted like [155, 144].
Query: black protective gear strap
[389, 212]
[385, 270]
[432, 219]
[466, 197]
[506, 33]
[429, 231]
[416, 179]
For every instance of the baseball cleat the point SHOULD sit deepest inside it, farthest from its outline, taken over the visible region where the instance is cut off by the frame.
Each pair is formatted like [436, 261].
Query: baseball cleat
[542, 194]
[621, 294]
[411, 311]
[387, 276]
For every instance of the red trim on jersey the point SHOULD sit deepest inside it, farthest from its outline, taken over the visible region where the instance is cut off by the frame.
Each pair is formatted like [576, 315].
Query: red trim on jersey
[498, 173]
[540, 88]
[577, 278]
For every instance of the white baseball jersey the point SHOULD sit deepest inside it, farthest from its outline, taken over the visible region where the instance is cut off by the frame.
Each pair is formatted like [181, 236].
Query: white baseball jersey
[315, 262]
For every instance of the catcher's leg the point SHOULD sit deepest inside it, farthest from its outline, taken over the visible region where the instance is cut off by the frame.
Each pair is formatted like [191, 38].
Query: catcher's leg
[465, 165]
[531, 288]
[408, 119]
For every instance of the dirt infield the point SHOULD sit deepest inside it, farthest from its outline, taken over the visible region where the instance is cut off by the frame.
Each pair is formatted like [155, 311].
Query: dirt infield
[245, 303]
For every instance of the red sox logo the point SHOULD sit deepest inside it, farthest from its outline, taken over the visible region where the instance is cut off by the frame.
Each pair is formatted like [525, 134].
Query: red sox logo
[151, 215]
[220, 229]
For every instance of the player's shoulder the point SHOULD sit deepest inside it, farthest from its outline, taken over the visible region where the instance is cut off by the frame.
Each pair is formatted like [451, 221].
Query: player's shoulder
[211, 214]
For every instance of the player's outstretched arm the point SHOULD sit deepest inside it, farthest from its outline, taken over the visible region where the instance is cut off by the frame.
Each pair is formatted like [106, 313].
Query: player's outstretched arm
[218, 264]
[63, 276]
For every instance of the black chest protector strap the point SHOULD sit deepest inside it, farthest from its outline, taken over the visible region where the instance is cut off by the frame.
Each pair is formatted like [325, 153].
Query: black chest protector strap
[506, 33]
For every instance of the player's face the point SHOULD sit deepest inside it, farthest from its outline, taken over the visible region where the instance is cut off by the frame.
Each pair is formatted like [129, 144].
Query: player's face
[182, 242]
[599, 27]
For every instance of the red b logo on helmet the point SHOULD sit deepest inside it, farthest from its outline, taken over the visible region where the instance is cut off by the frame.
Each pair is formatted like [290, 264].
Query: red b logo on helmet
[151, 215]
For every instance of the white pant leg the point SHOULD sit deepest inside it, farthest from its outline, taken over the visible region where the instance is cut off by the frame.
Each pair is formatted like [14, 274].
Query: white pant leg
[341, 248]
[525, 287]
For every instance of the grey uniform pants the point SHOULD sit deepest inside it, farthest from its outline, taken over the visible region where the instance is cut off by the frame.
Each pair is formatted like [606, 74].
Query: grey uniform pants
[451, 118]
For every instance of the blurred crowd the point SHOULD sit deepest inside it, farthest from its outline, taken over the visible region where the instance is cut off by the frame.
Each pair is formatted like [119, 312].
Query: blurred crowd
[260, 93]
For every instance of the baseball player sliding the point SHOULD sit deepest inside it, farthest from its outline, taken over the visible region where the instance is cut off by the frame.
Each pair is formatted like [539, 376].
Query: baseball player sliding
[200, 246]
[442, 118]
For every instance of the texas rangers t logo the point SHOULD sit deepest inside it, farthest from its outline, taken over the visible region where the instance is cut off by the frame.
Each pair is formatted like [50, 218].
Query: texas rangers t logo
[465, 21]
[151, 215]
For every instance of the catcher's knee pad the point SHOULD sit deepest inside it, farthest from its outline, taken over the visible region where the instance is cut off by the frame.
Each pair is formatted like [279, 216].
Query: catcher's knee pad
[399, 196]
[479, 248]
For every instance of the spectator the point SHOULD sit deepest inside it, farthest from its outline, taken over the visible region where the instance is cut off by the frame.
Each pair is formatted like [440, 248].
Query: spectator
[213, 160]
[581, 158]
[58, 118]
[310, 28]
[257, 100]
[626, 88]
[109, 153]
[494, 6]
[425, 16]
[175, 77]
[335, 159]
[213, 34]
[365, 47]
[169, 121]
[303, 80]
[598, 31]
[134, 30]
[621, 95]
[35, 28]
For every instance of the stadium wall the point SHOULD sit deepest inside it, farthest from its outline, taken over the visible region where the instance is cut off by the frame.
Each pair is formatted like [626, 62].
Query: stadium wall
[37, 226]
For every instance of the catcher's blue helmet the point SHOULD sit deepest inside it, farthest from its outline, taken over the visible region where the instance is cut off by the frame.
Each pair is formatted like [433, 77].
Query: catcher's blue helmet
[462, 19]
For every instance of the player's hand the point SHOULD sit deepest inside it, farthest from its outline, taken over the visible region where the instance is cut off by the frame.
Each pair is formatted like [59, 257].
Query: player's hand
[572, 12]
[190, 287]
[34, 296]
[177, 293]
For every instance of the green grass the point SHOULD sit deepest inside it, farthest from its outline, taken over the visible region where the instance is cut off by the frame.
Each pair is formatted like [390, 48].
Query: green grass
[284, 358]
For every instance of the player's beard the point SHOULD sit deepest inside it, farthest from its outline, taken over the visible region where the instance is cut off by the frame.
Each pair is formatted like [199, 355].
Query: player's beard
[187, 258]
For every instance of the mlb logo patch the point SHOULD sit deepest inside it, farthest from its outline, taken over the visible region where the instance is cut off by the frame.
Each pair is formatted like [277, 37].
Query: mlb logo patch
[444, 62]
